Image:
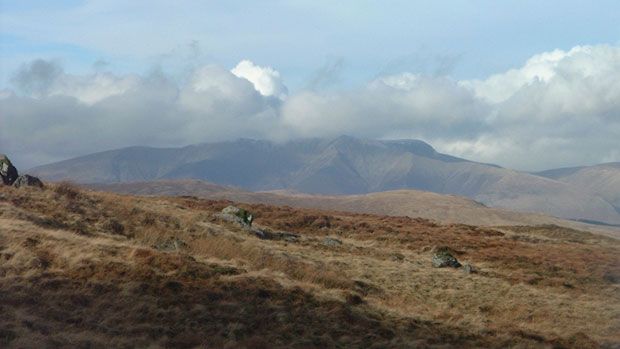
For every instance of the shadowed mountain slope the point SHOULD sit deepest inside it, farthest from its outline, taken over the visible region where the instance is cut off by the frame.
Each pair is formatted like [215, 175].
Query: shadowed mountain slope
[344, 165]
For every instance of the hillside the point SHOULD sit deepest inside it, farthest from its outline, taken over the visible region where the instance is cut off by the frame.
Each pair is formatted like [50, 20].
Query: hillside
[100, 270]
[343, 165]
[411, 203]
[603, 180]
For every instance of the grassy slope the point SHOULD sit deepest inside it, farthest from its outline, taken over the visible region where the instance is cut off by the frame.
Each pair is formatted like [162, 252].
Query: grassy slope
[412, 203]
[80, 269]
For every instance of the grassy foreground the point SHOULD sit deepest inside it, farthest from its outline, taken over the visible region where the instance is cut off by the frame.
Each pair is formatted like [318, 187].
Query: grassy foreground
[83, 269]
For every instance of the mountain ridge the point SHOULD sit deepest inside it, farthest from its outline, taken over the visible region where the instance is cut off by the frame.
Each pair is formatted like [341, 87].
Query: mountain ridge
[338, 166]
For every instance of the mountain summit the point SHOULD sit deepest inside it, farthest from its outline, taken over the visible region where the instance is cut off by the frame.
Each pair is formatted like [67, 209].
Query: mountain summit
[342, 165]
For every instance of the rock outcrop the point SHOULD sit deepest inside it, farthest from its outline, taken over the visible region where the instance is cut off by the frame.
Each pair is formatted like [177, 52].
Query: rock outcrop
[10, 176]
[8, 172]
[331, 242]
[27, 181]
[443, 257]
[236, 215]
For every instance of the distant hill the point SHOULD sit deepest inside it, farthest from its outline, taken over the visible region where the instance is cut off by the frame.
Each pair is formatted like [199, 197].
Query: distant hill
[441, 208]
[343, 165]
[603, 180]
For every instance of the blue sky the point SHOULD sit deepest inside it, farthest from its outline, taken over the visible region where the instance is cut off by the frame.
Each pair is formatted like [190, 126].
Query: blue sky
[525, 84]
[464, 39]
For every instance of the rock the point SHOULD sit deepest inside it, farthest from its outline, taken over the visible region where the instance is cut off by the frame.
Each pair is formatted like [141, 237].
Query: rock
[8, 172]
[288, 237]
[237, 215]
[27, 181]
[267, 234]
[331, 242]
[259, 233]
[442, 257]
[469, 269]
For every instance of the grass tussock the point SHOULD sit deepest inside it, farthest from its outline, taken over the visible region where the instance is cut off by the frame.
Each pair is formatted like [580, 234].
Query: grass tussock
[86, 269]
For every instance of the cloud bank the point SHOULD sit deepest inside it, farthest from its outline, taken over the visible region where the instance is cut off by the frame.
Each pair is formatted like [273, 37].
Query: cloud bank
[560, 108]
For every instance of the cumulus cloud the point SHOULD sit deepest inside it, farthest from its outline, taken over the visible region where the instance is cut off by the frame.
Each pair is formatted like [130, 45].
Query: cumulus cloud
[42, 79]
[398, 105]
[37, 77]
[581, 62]
[68, 115]
[266, 80]
[561, 108]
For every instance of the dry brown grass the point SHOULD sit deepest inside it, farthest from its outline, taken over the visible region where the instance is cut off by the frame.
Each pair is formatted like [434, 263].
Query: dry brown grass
[87, 269]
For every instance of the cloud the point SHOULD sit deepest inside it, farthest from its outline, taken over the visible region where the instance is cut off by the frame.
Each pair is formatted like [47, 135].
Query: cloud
[37, 77]
[266, 80]
[42, 79]
[561, 108]
[75, 115]
[579, 63]
[394, 106]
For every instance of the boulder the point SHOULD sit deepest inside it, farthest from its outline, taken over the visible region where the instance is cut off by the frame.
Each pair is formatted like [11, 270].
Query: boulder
[8, 172]
[237, 215]
[27, 181]
[443, 257]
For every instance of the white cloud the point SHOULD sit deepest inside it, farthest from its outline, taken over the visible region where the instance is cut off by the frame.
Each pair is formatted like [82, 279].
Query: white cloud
[560, 108]
[43, 78]
[93, 88]
[580, 62]
[266, 80]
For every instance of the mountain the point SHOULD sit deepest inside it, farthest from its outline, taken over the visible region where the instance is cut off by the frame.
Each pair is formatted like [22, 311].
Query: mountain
[344, 165]
[603, 180]
[445, 209]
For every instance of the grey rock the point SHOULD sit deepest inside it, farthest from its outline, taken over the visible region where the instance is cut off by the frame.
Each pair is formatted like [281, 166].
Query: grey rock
[8, 172]
[289, 237]
[259, 233]
[236, 215]
[331, 242]
[27, 181]
[442, 257]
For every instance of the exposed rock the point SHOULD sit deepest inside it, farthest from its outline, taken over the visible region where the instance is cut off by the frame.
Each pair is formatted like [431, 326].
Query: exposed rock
[288, 237]
[284, 235]
[27, 181]
[442, 257]
[8, 172]
[236, 215]
[261, 234]
[267, 234]
[331, 242]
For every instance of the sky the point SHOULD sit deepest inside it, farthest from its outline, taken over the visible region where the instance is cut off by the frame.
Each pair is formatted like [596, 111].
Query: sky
[529, 85]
